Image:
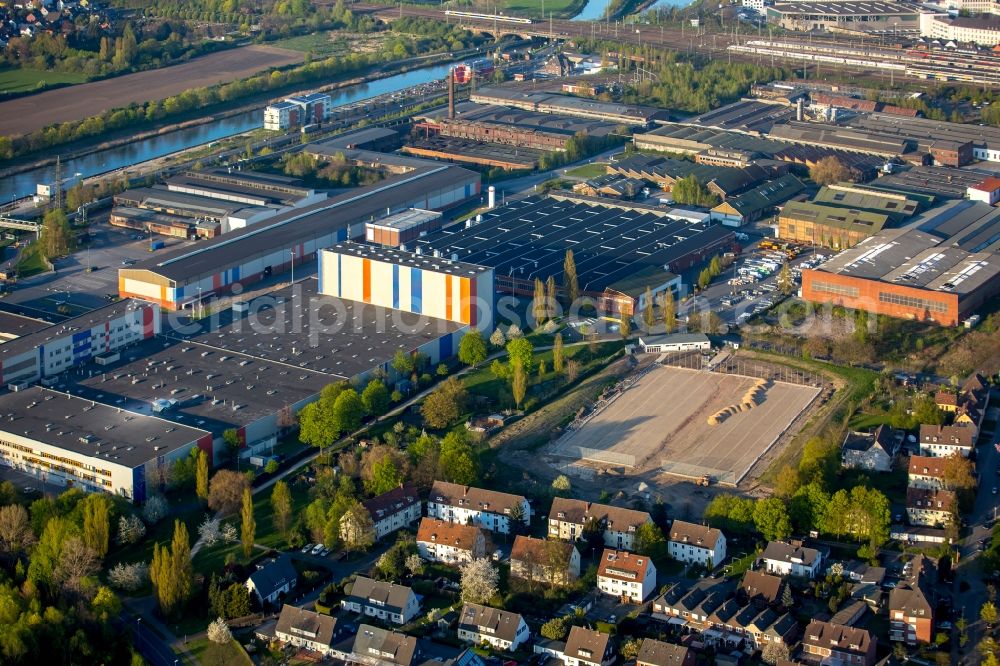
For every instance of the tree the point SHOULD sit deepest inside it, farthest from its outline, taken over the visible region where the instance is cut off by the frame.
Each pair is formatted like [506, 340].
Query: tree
[347, 411]
[472, 348]
[218, 632]
[457, 462]
[625, 325]
[56, 237]
[281, 506]
[385, 476]
[786, 596]
[787, 482]
[690, 191]
[357, 531]
[592, 534]
[201, 476]
[770, 517]
[171, 571]
[557, 628]
[550, 296]
[785, 283]
[519, 384]
[629, 649]
[15, 530]
[497, 338]
[649, 541]
[231, 438]
[403, 363]
[128, 577]
[414, 565]
[521, 353]
[480, 581]
[648, 316]
[561, 484]
[375, 398]
[77, 563]
[225, 493]
[155, 509]
[538, 305]
[774, 651]
[445, 404]
[131, 530]
[97, 523]
[571, 284]
[828, 171]
[988, 613]
[248, 526]
[668, 308]
[557, 353]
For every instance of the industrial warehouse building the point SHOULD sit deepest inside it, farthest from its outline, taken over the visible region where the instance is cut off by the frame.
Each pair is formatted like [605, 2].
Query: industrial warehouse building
[841, 216]
[99, 334]
[619, 249]
[296, 111]
[183, 277]
[75, 442]
[941, 269]
[851, 16]
[543, 102]
[430, 285]
[204, 204]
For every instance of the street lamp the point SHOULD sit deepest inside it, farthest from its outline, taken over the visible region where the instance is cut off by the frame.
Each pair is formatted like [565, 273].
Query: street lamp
[293, 272]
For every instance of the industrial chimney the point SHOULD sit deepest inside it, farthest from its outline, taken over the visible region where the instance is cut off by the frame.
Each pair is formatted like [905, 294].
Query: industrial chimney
[451, 94]
[492, 199]
[798, 110]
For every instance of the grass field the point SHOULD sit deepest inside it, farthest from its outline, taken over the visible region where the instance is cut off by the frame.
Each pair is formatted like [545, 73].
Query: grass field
[15, 80]
[589, 170]
[208, 653]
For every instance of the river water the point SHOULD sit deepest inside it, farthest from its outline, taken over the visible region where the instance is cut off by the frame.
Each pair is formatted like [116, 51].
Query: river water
[594, 9]
[23, 184]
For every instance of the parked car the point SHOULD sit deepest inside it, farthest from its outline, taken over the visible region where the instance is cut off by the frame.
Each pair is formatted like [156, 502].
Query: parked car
[306, 548]
[324, 552]
[317, 549]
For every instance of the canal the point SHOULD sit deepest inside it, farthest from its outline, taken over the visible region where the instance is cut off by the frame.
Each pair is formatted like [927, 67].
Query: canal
[23, 184]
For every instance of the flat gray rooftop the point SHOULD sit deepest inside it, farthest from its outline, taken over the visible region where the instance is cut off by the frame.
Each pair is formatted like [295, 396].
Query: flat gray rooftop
[845, 8]
[938, 181]
[395, 255]
[15, 325]
[91, 428]
[744, 116]
[84, 322]
[506, 115]
[925, 131]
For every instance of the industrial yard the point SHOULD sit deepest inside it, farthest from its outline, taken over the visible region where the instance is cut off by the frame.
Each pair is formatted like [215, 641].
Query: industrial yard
[662, 421]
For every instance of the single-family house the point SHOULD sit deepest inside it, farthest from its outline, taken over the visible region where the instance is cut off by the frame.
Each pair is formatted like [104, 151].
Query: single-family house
[567, 518]
[307, 630]
[549, 561]
[792, 559]
[501, 629]
[381, 599]
[626, 576]
[699, 544]
[873, 451]
[587, 647]
[659, 653]
[490, 509]
[838, 645]
[449, 543]
[273, 579]
[762, 588]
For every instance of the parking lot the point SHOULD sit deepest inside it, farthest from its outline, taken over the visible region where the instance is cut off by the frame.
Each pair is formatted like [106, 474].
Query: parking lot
[84, 280]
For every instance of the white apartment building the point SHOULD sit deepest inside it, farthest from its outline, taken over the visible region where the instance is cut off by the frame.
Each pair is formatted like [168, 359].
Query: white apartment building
[449, 543]
[489, 509]
[626, 576]
[699, 544]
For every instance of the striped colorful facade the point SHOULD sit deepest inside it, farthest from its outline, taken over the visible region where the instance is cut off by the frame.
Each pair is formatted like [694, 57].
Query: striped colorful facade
[436, 288]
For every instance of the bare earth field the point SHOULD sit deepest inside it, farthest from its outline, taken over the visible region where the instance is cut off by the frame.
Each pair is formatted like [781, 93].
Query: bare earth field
[26, 114]
[661, 423]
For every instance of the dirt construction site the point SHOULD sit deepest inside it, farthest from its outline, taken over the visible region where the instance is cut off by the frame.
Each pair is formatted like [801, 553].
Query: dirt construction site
[684, 423]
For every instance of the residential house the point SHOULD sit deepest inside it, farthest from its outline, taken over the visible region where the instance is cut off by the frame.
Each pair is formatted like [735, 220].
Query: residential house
[394, 510]
[272, 579]
[911, 607]
[489, 509]
[658, 653]
[926, 472]
[941, 441]
[762, 588]
[838, 645]
[386, 601]
[307, 630]
[380, 647]
[567, 518]
[700, 544]
[792, 559]
[930, 507]
[550, 561]
[501, 629]
[858, 572]
[627, 576]
[872, 451]
[584, 647]
[450, 543]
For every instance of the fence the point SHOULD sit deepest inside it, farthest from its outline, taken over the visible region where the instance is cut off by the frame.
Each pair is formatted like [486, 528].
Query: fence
[599, 455]
[775, 373]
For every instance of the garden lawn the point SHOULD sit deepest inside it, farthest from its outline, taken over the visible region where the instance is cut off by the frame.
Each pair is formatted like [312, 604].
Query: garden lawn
[589, 170]
[557, 8]
[208, 653]
[17, 79]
